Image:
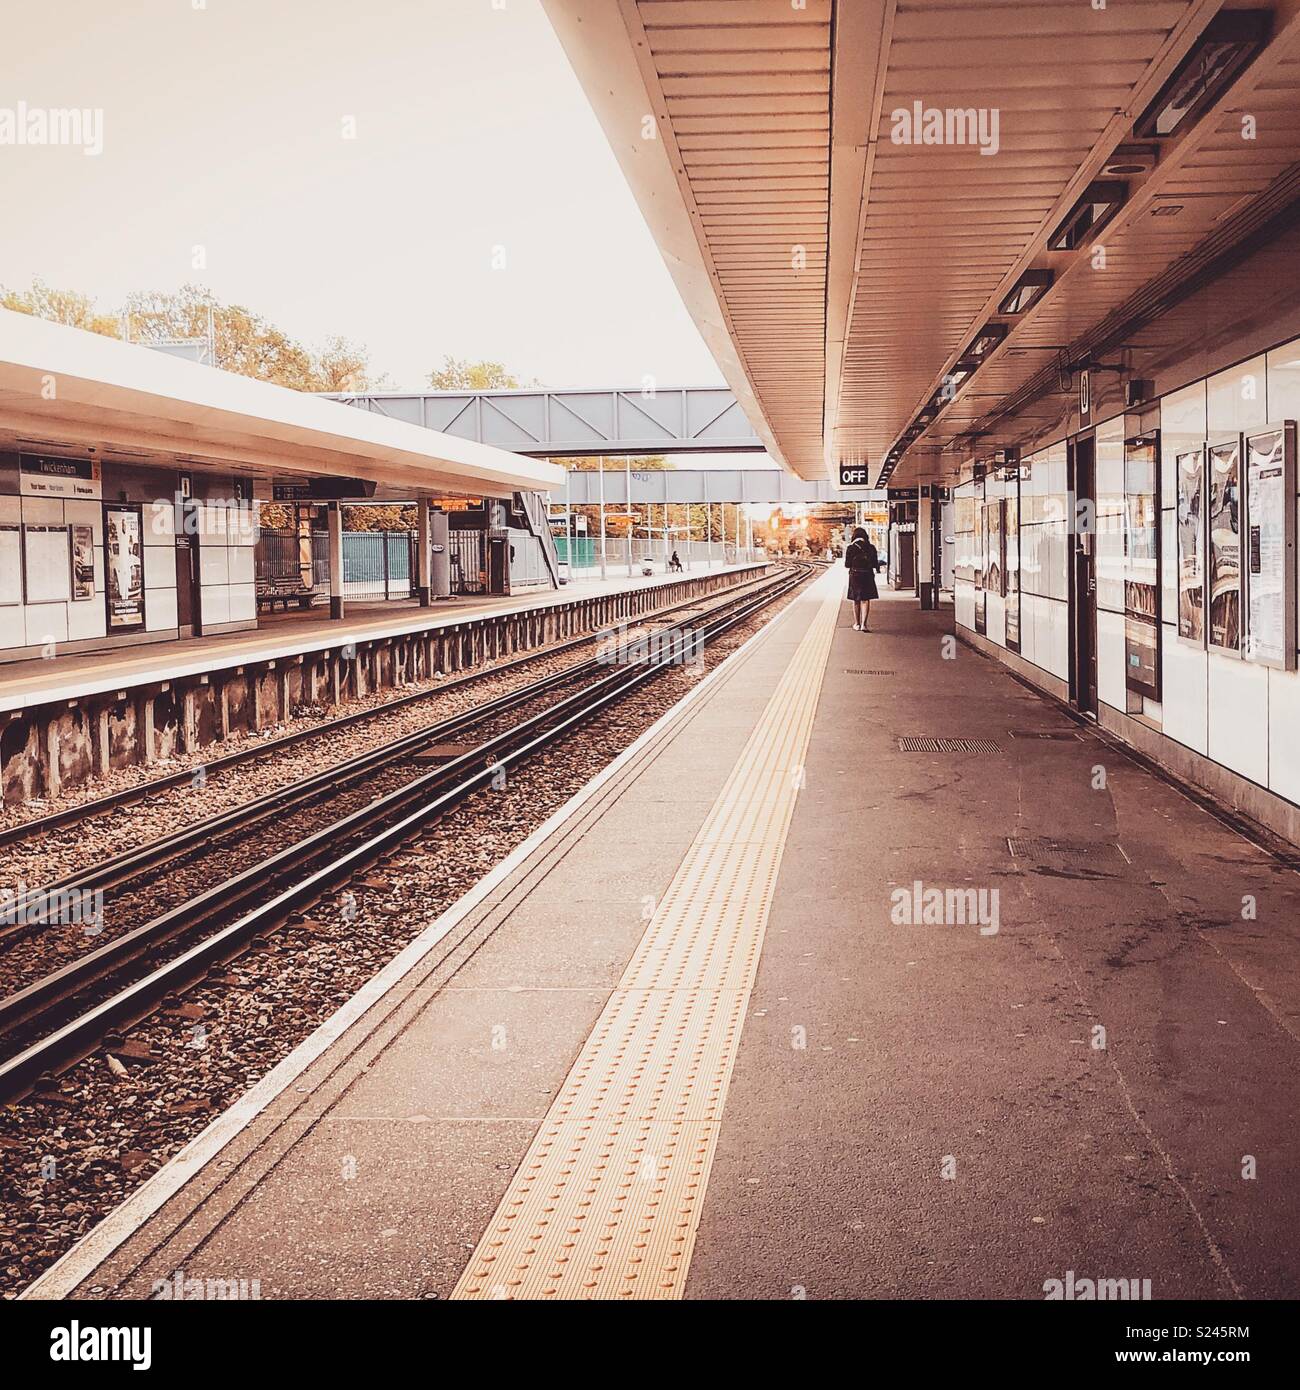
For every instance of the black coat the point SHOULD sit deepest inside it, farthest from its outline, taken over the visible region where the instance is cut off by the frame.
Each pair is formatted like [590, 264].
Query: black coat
[863, 560]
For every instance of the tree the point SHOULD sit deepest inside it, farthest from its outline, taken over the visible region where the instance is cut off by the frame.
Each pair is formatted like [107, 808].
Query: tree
[460, 374]
[378, 516]
[343, 366]
[61, 306]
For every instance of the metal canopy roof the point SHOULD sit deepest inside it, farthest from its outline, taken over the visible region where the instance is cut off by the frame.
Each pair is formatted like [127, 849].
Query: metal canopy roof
[845, 270]
[64, 390]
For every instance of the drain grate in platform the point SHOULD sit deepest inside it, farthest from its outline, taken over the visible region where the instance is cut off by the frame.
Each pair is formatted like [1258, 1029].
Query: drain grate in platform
[1043, 852]
[864, 671]
[918, 744]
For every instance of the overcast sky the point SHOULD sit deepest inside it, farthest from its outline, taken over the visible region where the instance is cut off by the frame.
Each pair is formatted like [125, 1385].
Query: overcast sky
[224, 129]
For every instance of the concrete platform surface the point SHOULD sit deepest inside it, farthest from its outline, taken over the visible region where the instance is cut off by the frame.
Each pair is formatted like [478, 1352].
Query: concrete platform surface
[1093, 1071]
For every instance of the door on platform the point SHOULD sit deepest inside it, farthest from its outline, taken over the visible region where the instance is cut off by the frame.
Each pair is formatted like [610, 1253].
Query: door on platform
[189, 620]
[1083, 573]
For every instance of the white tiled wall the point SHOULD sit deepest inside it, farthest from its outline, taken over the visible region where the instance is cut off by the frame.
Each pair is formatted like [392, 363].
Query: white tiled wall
[69, 620]
[227, 548]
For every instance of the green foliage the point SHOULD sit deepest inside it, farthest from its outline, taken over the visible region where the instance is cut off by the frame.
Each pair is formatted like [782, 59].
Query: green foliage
[244, 341]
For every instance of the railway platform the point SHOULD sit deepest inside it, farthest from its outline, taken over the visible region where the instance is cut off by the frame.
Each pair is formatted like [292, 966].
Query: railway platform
[864, 972]
[71, 719]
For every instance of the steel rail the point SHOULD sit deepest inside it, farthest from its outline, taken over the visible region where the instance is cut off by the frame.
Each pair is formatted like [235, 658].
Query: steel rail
[302, 873]
[28, 910]
[112, 801]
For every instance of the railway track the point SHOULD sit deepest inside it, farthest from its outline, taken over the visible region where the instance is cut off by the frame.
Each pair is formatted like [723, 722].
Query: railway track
[59, 1017]
[127, 796]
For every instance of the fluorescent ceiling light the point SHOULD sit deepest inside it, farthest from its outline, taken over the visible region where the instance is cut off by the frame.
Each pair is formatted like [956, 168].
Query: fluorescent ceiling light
[1100, 202]
[1227, 44]
[1028, 290]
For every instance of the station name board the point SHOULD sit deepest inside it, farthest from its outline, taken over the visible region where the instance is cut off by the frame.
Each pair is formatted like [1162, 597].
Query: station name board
[41, 476]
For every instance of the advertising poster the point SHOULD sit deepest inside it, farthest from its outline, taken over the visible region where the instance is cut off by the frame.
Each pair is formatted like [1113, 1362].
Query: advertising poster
[1270, 545]
[124, 553]
[1224, 553]
[1142, 565]
[1012, 532]
[83, 562]
[1191, 546]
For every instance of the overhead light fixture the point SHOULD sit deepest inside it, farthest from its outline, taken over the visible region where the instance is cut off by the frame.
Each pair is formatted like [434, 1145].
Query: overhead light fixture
[1226, 45]
[1100, 202]
[957, 378]
[986, 340]
[1166, 209]
[1028, 290]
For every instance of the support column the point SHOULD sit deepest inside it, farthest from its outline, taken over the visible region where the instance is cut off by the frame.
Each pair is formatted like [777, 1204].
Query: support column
[336, 559]
[144, 728]
[53, 772]
[189, 733]
[925, 587]
[423, 585]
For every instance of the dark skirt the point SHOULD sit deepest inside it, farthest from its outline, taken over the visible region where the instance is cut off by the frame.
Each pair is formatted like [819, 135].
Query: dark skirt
[862, 585]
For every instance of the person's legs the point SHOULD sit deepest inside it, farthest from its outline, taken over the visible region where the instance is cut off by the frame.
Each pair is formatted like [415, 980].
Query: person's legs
[866, 613]
[857, 614]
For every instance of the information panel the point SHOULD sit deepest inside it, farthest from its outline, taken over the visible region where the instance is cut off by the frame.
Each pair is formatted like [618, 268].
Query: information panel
[48, 564]
[1191, 547]
[1269, 636]
[1224, 550]
[83, 562]
[11, 565]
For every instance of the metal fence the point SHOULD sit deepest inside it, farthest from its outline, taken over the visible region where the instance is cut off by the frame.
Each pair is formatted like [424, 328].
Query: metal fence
[378, 564]
[292, 567]
[692, 554]
[467, 562]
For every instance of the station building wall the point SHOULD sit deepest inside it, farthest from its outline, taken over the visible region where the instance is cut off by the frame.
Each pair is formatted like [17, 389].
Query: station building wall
[55, 552]
[1223, 720]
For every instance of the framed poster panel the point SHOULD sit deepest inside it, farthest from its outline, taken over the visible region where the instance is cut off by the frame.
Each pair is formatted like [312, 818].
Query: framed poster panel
[47, 564]
[1011, 534]
[1223, 544]
[124, 567]
[1190, 532]
[995, 561]
[11, 565]
[1269, 551]
[1142, 564]
[83, 562]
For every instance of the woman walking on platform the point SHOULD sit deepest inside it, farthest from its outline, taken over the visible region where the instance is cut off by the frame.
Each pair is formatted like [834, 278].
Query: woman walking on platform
[863, 560]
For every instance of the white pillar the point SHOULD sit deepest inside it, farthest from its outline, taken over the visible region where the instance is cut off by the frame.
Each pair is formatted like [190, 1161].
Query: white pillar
[627, 465]
[568, 518]
[336, 559]
[602, 516]
[422, 552]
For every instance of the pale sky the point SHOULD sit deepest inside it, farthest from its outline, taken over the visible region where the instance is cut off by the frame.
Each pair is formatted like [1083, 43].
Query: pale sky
[223, 128]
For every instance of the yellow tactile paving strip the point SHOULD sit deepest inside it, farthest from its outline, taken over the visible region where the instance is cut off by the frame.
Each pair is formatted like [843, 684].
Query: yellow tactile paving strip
[607, 1200]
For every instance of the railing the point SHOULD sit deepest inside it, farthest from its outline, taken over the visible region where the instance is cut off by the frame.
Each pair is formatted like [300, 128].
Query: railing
[468, 560]
[692, 554]
[378, 564]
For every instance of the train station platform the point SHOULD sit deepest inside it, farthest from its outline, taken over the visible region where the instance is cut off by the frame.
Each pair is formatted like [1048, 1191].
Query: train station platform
[72, 721]
[710, 1033]
[38, 681]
